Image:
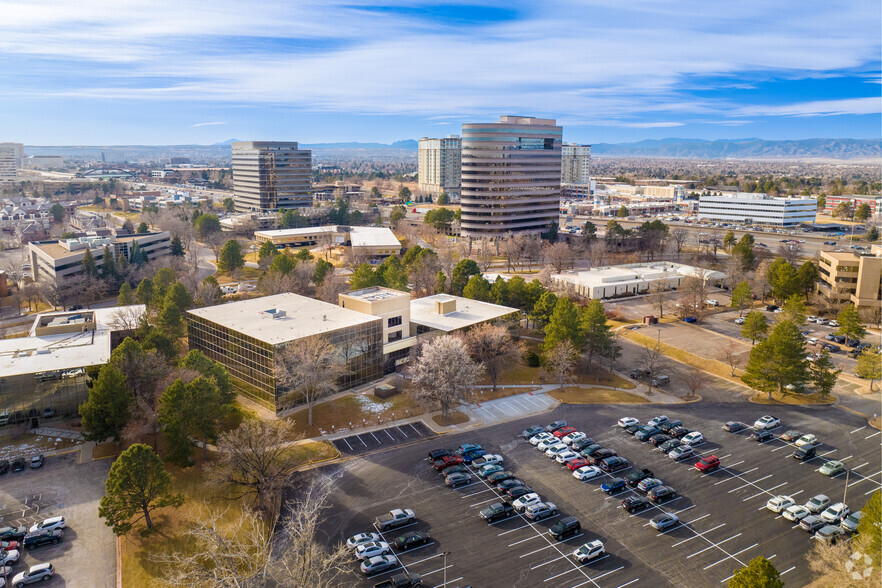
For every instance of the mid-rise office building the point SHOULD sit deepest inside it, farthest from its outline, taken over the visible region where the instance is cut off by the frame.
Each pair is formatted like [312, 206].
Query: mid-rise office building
[510, 177]
[760, 209]
[575, 165]
[440, 166]
[11, 155]
[270, 175]
[849, 277]
[63, 258]
[874, 202]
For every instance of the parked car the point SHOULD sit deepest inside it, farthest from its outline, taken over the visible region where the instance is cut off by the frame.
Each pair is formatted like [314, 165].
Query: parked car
[50, 523]
[632, 429]
[659, 439]
[506, 485]
[566, 527]
[555, 426]
[4, 466]
[402, 580]
[540, 510]
[32, 540]
[531, 431]
[411, 539]
[634, 477]
[378, 564]
[37, 461]
[614, 486]
[372, 549]
[438, 454]
[806, 452]
[567, 456]
[657, 421]
[547, 444]
[762, 436]
[517, 492]
[497, 511]
[398, 517]
[661, 494]
[645, 432]
[807, 439]
[707, 464]
[13, 533]
[7, 558]
[454, 469]
[766, 422]
[682, 452]
[817, 504]
[627, 422]
[489, 469]
[790, 436]
[499, 476]
[600, 455]
[446, 461]
[18, 464]
[563, 432]
[489, 459]
[555, 450]
[694, 438]
[834, 514]
[526, 500]
[589, 551]
[573, 437]
[679, 432]
[850, 523]
[739, 320]
[647, 484]
[664, 521]
[795, 513]
[37, 573]
[587, 472]
[811, 523]
[613, 464]
[668, 425]
[829, 534]
[779, 503]
[582, 444]
[457, 479]
[668, 445]
[360, 539]
[634, 504]
[537, 439]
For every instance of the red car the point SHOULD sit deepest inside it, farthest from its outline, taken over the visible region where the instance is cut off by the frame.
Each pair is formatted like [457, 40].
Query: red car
[577, 463]
[564, 431]
[8, 545]
[447, 461]
[708, 464]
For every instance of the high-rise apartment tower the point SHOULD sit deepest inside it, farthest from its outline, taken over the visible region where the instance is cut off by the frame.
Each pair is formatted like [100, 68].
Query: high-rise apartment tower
[11, 155]
[440, 166]
[510, 176]
[575, 166]
[270, 175]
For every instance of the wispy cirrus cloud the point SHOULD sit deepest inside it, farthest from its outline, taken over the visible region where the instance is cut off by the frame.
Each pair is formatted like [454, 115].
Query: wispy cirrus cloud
[209, 124]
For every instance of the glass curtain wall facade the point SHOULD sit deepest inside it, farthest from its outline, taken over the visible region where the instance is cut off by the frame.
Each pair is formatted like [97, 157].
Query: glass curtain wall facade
[44, 395]
[269, 175]
[511, 172]
[251, 361]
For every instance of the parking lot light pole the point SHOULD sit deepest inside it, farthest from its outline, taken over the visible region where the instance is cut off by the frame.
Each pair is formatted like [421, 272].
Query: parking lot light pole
[446, 553]
[845, 491]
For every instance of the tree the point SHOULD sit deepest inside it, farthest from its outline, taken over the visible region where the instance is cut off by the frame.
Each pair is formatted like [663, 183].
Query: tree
[194, 409]
[679, 238]
[741, 297]
[873, 234]
[869, 529]
[462, 272]
[542, 309]
[324, 269]
[439, 218]
[623, 211]
[444, 373]
[57, 211]
[108, 407]
[729, 240]
[126, 296]
[777, 361]
[364, 276]
[844, 210]
[560, 361]
[206, 224]
[136, 256]
[144, 292]
[595, 331]
[862, 213]
[229, 205]
[653, 361]
[782, 279]
[231, 257]
[869, 366]
[560, 256]
[266, 253]
[307, 369]
[440, 282]
[759, 573]
[806, 276]
[143, 228]
[850, 323]
[397, 215]
[589, 232]
[824, 374]
[128, 226]
[282, 264]
[137, 484]
[744, 251]
[563, 325]
[144, 371]
[90, 268]
[793, 310]
[731, 355]
[695, 379]
[493, 347]
[659, 296]
[478, 289]
[404, 194]
[177, 247]
[443, 199]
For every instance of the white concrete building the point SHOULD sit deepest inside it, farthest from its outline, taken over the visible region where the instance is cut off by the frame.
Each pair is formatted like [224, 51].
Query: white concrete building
[370, 241]
[760, 209]
[440, 166]
[11, 155]
[630, 279]
[575, 164]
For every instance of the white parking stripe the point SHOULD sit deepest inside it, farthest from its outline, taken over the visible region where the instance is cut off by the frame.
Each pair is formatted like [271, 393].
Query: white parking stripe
[873, 435]
[476, 493]
[448, 582]
[375, 438]
[858, 429]
[749, 484]
[627, 583]
[402, 432]
[769, 491]
[731, 557]
[347, 444]
[388, 433]
[698, 534]
[523, 540]
[829, 452]
[712, 546]
[483, 502]
[537, 566]
[860, 466]
[698, 519]
[424, 574]
[864, 479]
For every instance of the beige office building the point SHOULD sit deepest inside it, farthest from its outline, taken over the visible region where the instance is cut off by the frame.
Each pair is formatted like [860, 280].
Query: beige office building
[440, 166]
[575, 165]
[54, 260]
[510, 177]
[11, 155]
[271, 176]
[847, 277]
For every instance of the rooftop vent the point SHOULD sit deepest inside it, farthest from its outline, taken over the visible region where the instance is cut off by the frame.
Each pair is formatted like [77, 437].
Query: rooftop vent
[445, 306]
[275, 313]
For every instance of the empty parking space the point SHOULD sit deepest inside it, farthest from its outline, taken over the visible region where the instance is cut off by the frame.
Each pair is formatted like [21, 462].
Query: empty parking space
[384, 438]
[513, 407]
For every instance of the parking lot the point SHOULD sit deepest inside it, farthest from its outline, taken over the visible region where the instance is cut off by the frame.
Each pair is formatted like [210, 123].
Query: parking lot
[724, 520]
[87, 554]
[382, 439]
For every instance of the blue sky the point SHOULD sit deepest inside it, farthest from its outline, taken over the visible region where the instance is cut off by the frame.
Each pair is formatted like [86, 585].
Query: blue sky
[161, 72]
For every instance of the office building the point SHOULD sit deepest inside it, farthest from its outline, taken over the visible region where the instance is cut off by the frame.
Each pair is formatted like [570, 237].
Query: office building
[510, 177]
[849, 277]
[271, 176]
[630, 279]
[373, 330]
[440, 166]
[365, 241]
[45, 375]
[759, 209]
[63, 258]
[874, 202]
[575, 164]
[11, 155]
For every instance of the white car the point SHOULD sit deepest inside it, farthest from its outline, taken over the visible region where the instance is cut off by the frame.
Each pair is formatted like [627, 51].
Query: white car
[48, 525]
[361, 539]
[628, 421]
[540, 510]
[835, 513]
[372, 549]
[489, 459]
[381, 563]
[681, 452]
[692, 439]
[573, 437]
[833, 324]
[796, 513]
[817, 504]
[589, 551]
[556, 450]
[807, 439]
[546, 444]
[526, 500]
[587, 472]
[657, 421]
[7, 558]
[812, 340]
[537, 439]
[766, 422]
[739, 320]
[37, 573]
[779, 503]
[567, 455]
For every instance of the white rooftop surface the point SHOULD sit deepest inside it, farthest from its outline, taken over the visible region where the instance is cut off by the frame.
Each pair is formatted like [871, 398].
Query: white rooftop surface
[468, 312]
[375, 293]
[296, 232]
[373, 237]
[28, 355]
[304, 317]
[620, 275]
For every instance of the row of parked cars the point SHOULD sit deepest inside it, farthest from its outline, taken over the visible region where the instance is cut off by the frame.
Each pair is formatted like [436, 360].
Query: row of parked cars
[826, 521]
[18, 464]
[13, 540]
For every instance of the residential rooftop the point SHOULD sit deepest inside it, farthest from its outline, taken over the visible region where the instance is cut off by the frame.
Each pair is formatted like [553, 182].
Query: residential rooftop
[282, 318]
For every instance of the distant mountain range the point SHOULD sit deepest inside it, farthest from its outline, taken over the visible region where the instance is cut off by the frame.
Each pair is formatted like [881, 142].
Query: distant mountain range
[745, 149]
[407, 144]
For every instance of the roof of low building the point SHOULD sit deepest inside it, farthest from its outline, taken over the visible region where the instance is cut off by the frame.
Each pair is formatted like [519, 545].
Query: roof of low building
[373, 237]
[467, 313]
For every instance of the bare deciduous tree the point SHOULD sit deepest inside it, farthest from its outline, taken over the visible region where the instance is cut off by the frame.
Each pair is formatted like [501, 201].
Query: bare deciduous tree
[327, 241]
[695, 380]
[791, 252]
[560, 256]
[596, 253]
[678, 240]
[653, 361]
[659, 296]
[444, 373]
[332, 285]
[560, 361]
[307, 369]
[730, 353]
[493, 347]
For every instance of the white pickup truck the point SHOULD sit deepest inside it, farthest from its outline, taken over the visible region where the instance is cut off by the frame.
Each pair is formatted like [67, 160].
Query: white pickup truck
[396, 518]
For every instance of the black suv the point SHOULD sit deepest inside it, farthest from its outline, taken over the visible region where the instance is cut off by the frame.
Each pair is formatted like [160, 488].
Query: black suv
[411, 540]
[613, 464]
[38, 538]
[402, 580]
[762, 436]
[497, 511]
[4, 466]
[634, 477]
[635, 503]
[18, 464]
[565, 527]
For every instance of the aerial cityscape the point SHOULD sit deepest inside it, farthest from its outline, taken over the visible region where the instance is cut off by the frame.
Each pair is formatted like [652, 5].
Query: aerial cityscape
[441, 295]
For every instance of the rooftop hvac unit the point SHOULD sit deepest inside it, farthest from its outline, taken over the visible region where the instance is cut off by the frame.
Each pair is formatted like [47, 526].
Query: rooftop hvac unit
[275, 313]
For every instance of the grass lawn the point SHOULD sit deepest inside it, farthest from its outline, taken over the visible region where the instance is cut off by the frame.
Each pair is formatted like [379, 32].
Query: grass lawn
[454, 417]
[574, 395]
[797, 399]
[357, 409]
[245, 273]
[712, 366]
[106, 449]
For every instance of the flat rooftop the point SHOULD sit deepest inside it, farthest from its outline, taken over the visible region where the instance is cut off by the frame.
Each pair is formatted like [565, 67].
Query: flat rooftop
[373, 237]
[303, 317]
[33, 354]
[468, 312]
[636, 273]
[374, 293]
[55, 250]
[297, 232]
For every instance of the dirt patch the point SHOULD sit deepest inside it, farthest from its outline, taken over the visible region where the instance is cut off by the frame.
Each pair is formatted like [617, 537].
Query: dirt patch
[454, 417]
[356, 410]
[712, 366]
[104, 450]
[27, 445]
[876, 422]
[576, 395]
[794, 399]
